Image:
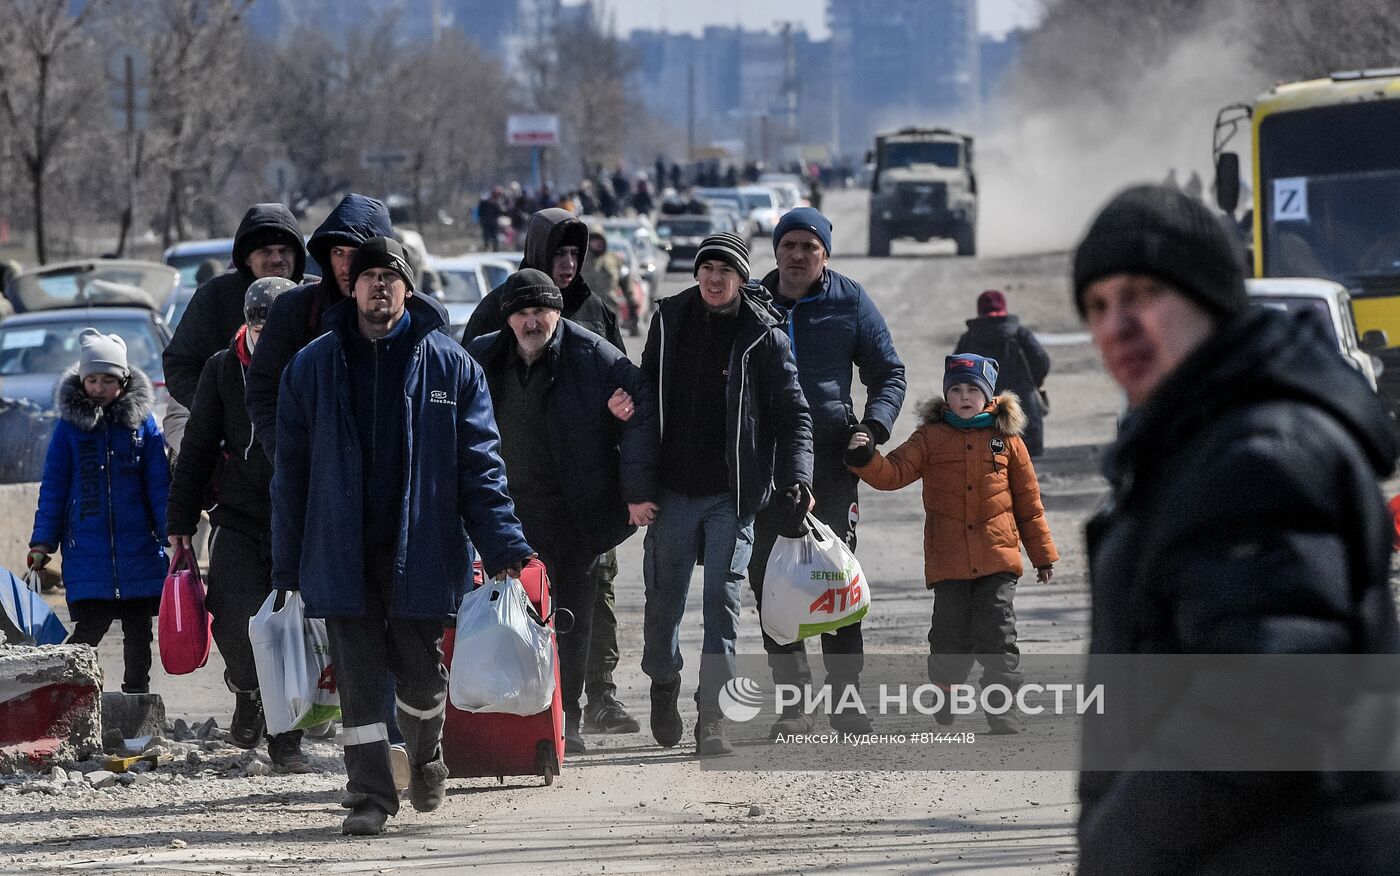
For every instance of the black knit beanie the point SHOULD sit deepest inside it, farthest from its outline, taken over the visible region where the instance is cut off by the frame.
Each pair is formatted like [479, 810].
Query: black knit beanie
[725, 247]
[1165, 233]
[529, 288]
[381, 252]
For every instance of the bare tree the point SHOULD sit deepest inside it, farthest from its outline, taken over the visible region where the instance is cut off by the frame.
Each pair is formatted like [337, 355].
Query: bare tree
[42, 89]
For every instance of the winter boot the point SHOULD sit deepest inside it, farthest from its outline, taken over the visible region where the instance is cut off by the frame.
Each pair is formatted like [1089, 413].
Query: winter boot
[849, 719]
[1008, 723]
[367, 818]
[792, 721]
[286, 754]
[709, 735]
[666, 723]
[246, 730]
[573, 740]
[428, 786]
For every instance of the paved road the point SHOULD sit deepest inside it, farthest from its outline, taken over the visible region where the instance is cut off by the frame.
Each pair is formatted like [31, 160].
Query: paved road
[631, 806]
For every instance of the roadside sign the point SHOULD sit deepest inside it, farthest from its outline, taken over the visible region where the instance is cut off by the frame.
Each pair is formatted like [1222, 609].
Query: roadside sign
[387, 160]
[532, 130]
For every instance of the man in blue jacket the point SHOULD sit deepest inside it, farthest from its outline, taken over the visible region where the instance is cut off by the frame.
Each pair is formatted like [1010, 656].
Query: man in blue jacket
[832, 327]
[582, 477]
[733, 425]
[389, 460]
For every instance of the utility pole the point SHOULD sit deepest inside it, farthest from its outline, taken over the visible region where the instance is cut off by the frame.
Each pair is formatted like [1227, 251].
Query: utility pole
[130, 72]
[690, 111]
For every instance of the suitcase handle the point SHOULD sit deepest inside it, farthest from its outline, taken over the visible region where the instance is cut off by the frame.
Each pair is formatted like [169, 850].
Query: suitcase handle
[555, 616]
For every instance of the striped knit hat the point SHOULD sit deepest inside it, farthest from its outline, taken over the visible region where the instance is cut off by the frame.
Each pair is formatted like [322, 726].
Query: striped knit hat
[725, 247]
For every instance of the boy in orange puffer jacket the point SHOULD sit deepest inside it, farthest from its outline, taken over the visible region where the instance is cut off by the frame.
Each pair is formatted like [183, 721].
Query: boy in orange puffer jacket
[982, 501]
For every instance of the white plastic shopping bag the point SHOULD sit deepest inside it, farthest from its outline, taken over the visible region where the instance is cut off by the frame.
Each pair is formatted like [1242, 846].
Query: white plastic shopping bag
[503, 657]
[293, 657]
[812, 585]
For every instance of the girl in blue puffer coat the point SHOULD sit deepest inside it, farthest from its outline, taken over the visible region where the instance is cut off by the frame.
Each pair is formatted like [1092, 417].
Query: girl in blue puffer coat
[102, 501]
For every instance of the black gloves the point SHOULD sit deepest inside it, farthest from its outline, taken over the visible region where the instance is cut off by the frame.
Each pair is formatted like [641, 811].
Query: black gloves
[790, 507]
[859, 456]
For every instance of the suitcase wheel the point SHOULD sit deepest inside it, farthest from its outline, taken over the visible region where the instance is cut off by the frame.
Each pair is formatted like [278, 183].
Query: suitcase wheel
[546, 761]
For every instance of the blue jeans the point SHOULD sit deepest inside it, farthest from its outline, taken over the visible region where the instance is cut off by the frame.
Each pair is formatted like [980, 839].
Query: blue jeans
[684, 527]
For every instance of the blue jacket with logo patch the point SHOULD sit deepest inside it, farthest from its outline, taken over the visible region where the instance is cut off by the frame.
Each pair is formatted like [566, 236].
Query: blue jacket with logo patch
[455, 483]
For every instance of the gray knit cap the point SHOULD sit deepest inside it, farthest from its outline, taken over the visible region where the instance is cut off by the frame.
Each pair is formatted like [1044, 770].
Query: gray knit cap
[102, 354]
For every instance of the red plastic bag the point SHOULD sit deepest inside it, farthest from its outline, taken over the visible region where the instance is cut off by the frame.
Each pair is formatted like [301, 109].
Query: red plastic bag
[184, 621]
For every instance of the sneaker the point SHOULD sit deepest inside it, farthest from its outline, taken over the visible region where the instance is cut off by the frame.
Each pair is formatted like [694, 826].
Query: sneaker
[247, 728]
[573, 740]
[607, 715]
[428, 786]
[709, 736]
[399, 765]
[286, 754]
[367, 818]
[792, 721]
[666, 724]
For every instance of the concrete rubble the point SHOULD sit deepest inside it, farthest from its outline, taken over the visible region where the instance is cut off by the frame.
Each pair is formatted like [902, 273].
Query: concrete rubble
[50, 706]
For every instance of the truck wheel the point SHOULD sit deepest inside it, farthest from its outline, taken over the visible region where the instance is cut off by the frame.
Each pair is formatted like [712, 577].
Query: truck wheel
[966, 239]
[879, 240]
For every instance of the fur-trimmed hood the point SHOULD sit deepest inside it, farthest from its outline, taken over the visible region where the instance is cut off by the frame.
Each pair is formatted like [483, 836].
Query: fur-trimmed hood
[1006, 408]
[129, 410]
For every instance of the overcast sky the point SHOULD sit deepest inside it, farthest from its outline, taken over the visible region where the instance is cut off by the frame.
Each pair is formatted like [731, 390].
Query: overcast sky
[994, 16]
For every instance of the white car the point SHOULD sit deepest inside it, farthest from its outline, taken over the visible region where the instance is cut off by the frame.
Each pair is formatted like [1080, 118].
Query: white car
[1332, 303]
[462, 283]
[764, 206]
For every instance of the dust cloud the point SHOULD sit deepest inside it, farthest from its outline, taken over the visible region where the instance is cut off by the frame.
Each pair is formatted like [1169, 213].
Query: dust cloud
[1044, 170]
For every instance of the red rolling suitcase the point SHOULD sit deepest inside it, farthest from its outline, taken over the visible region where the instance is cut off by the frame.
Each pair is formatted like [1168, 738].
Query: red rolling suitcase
[488, 744]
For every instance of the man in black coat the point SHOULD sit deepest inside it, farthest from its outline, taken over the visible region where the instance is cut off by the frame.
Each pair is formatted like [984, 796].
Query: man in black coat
[1245, 518]
[579, 440]
[267, 244]
[556, 244]
[240, 545]
[998, 334]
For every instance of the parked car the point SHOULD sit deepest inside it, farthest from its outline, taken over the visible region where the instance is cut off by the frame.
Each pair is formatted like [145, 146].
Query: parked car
[637, 290]
[729, 200]
[791, 189]
[1332, 304]
[497, 266]
[763, 206]
[186, 258]
[682, 235]
[37, 347]
[93, 282]
[638, 231]
[464, 283]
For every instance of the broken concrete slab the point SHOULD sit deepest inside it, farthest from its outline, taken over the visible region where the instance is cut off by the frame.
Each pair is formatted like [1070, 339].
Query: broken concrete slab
[134, 715]
[50, 706]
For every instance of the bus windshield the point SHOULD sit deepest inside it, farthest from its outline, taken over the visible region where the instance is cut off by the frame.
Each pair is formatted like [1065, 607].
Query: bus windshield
[1330, 180]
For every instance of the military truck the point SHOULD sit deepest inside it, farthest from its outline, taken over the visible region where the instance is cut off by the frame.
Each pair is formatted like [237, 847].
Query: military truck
[923, 187]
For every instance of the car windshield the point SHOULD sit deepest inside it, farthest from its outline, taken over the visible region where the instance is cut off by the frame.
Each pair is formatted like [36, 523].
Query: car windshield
[1330, 181]
[102, 281]
[908, 154]
[51, 346]
[1298, 304]
[495, 274]
[684, 227]
[188, 264]
[460, 285]
[757, 200]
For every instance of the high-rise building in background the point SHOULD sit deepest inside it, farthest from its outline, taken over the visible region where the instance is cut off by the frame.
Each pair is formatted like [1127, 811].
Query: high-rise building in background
[902, 62]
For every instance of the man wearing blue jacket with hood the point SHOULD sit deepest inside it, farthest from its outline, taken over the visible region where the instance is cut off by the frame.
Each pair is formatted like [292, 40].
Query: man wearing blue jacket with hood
[389, 461]
[832, 327]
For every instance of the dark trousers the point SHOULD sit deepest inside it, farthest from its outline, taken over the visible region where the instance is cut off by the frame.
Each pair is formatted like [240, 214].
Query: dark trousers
[92, 618]
[572, 588]
[842, 651]
[602, 638]
[365, 650]
[240, 577]
[974, 621]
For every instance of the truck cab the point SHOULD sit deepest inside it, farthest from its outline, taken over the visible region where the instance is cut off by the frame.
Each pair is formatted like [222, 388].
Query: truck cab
[923, 187]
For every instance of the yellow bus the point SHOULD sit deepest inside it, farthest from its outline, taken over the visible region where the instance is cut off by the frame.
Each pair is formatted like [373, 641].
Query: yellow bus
[1326, 192]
